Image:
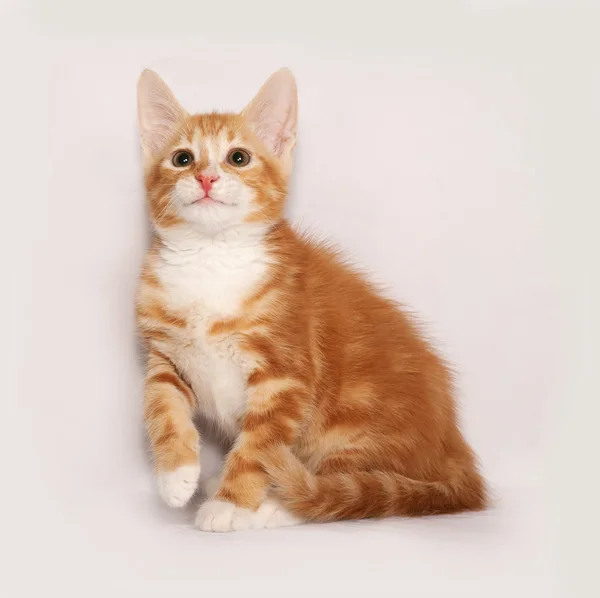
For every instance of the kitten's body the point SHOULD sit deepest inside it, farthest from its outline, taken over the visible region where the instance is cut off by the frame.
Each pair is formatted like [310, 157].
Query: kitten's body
[336, 406]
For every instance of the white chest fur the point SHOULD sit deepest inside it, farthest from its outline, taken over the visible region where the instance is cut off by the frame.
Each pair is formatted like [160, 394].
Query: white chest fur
[208, 281]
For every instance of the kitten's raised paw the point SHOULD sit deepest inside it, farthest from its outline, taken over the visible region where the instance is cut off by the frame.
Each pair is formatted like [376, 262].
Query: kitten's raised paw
[177, 487]
[222, 516]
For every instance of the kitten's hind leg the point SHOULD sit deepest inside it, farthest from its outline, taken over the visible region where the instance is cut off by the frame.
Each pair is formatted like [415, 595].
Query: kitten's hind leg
[271, 514]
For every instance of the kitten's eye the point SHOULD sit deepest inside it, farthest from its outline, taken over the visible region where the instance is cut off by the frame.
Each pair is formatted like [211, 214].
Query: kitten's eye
[182, 159]
[238, 157]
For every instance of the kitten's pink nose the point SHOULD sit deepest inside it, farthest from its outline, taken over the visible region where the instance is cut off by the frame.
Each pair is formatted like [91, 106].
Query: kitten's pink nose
[206, 181]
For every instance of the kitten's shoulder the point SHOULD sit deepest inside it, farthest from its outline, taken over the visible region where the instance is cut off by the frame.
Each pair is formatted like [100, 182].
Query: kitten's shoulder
[290, 243]
[320, 262]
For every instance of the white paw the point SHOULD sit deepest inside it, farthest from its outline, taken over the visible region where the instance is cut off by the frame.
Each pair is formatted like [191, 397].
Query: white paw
[222, 516]
[271, 514]
[177, 487]
[210, 487]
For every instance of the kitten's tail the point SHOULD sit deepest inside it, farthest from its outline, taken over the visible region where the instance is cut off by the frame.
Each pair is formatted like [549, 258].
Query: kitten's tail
[362, 494]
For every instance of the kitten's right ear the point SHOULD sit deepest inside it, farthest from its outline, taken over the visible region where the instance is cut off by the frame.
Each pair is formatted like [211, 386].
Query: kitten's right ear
[159, 113]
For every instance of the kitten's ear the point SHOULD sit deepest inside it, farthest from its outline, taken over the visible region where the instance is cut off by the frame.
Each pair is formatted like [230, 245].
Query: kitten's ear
[273, 115]
[159, 113]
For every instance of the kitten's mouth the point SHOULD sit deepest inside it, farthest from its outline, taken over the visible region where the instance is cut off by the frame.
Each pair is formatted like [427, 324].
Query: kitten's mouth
[208, 200]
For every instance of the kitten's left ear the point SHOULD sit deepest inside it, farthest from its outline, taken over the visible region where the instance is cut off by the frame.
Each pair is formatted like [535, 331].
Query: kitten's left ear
[273, 115]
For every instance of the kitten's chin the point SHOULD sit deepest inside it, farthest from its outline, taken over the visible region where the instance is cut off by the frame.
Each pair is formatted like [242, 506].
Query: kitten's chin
[211, 216]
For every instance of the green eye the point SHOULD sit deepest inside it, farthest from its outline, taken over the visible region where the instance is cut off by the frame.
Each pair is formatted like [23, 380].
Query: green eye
[182, 159]
[238, 157]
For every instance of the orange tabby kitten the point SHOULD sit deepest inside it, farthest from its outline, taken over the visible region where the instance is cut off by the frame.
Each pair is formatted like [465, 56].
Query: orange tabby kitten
[335, 406]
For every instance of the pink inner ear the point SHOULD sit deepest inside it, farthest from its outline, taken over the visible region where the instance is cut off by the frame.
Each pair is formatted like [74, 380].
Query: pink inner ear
[159, 112]
[272, 126]
[272, 113]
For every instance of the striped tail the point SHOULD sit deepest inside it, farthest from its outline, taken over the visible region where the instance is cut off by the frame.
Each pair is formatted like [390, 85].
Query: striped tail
[362, 494]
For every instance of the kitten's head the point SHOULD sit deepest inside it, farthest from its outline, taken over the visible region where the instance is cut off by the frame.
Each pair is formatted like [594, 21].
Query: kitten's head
[215, 171]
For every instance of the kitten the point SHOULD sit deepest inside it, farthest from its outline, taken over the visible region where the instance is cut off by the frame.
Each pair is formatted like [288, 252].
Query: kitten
[335, 406]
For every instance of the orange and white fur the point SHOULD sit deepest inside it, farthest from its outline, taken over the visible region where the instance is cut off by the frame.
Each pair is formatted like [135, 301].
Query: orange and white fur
[333, 403]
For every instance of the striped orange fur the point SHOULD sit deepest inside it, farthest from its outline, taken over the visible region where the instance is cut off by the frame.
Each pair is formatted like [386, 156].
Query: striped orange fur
[334, 404]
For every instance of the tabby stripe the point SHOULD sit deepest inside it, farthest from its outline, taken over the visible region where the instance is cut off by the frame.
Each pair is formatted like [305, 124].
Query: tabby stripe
[171, 379]
[155, 312]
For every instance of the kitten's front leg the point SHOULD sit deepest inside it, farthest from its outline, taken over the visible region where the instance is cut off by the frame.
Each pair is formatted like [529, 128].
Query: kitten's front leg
[273, 418]
[175, 442]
